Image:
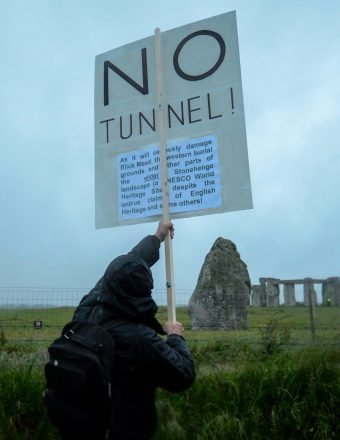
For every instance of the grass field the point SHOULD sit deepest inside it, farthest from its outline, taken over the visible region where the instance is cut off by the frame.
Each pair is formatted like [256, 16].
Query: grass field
[291, 323]
[270, 382]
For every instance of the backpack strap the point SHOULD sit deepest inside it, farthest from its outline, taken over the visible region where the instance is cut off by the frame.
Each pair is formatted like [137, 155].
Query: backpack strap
[107, 325]
[93, 313]
[70, 334]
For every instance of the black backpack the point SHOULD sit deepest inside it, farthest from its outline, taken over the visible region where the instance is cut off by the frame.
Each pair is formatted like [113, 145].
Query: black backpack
[78, 380]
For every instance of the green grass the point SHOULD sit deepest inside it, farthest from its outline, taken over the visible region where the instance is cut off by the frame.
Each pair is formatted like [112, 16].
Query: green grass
[289, 395]
[22, 415]
[17, 325]
[267, 382]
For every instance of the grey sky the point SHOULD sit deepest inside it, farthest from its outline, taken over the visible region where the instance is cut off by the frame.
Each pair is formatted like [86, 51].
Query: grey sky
[290, 60]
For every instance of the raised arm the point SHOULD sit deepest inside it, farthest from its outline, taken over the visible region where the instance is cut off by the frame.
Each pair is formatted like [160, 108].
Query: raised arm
[148, 247]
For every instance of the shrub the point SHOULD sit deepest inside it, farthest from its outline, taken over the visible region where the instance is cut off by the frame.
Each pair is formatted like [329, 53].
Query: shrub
[273, 337]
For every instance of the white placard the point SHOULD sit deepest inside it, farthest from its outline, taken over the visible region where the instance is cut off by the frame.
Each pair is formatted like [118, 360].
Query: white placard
[202, 98]
[193, 179]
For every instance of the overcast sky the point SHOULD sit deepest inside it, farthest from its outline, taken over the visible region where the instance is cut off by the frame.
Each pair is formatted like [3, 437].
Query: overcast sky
[290, 62]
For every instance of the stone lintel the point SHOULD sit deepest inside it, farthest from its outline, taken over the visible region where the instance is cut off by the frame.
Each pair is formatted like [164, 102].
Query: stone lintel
[296, 281]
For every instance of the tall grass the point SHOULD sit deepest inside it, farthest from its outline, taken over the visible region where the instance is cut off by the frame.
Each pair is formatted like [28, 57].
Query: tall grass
[22, 415]
[242, 395]
[289, 396]
[251, 385]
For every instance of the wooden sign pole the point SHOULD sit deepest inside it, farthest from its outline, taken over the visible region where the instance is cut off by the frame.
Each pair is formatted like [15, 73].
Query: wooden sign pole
[170, 286]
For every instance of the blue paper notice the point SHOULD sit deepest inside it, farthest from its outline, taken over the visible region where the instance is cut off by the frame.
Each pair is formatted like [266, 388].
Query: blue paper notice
[193, 178]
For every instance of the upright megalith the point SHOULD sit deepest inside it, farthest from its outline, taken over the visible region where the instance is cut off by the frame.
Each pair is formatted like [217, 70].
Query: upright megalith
[331, 291]
[222, 293]
[309, 292]
[289, 294]
[273, 292]
[255, 295]
[258, 296]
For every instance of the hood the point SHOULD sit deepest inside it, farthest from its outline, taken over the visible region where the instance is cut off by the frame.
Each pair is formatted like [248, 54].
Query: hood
[128, 275]
[127, 283]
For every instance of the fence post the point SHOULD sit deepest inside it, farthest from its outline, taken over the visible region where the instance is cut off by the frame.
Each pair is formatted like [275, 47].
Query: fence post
[311, 297]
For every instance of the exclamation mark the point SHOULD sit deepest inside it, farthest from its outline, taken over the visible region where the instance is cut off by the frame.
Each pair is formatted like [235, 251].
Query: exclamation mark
[232, 100]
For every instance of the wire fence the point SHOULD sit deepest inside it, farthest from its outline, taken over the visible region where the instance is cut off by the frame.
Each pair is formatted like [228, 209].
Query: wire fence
[45, 297]
[37, 315]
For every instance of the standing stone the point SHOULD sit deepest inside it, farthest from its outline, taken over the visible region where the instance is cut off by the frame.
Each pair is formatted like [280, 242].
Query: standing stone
[289, 294]
[256, 295]
[273, 293]
[308, 284]
[331, 290]
[222, 293]
[263, 288]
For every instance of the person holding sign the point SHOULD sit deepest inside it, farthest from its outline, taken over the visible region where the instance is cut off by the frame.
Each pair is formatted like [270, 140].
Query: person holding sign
[143, 359]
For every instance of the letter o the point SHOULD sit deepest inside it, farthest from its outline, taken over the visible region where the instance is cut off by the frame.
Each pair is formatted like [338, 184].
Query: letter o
[209, 72]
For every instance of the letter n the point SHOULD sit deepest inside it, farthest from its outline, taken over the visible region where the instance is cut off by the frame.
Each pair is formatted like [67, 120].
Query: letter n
[144, 89]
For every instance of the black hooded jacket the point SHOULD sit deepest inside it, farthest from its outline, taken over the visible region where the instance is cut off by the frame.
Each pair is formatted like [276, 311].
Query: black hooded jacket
[144, 360]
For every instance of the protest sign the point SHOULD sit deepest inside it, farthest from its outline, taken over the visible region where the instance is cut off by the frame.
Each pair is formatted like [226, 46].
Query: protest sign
[204, 126]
